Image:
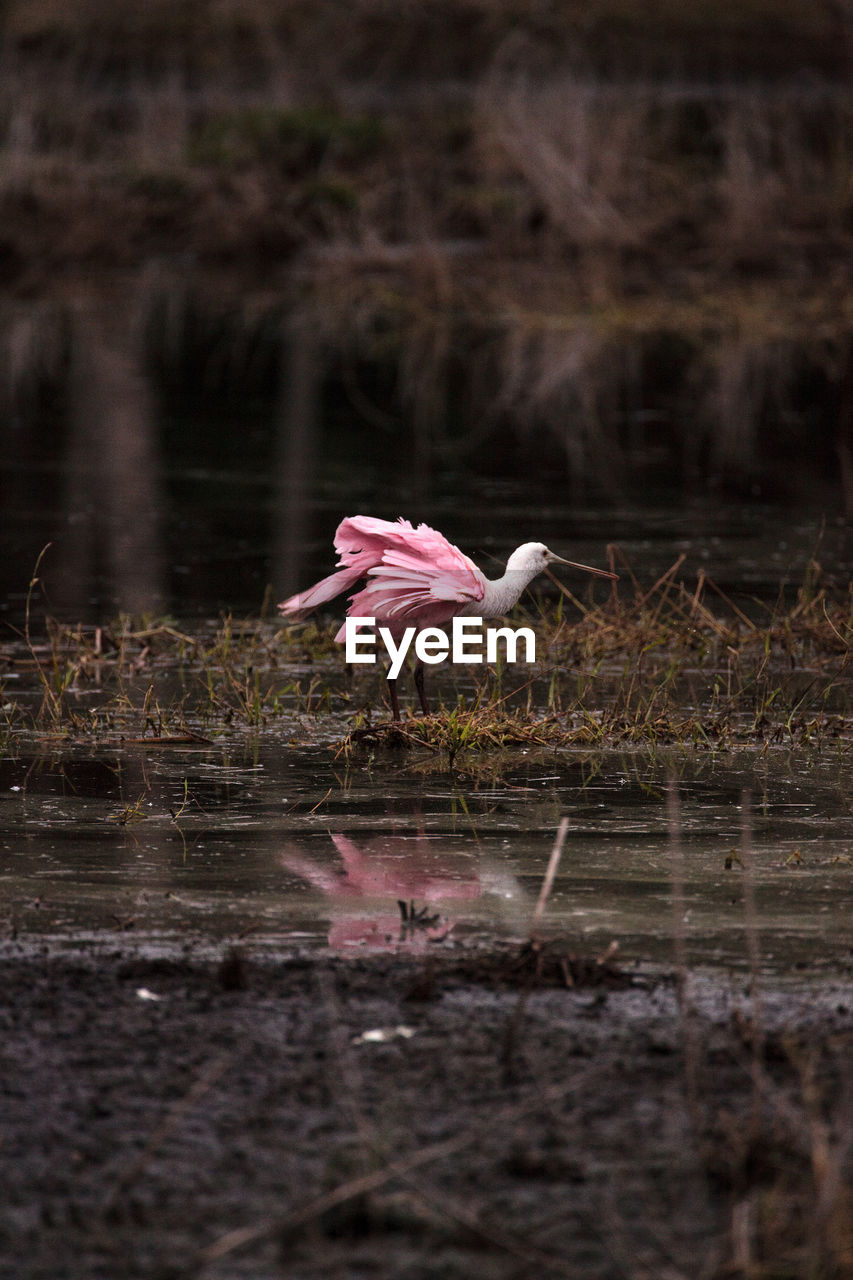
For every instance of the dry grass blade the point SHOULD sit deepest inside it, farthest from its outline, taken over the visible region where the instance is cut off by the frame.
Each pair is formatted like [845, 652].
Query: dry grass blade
[355, 1187]
[734, 608]
[564, 591]
[205, 1081]
[548, 881]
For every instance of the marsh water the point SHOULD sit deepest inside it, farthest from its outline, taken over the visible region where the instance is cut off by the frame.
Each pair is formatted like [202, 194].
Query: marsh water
[277, 840]
[284, 846]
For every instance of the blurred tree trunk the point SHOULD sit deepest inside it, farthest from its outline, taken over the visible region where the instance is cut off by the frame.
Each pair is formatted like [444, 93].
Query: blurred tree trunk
[114, 496]
[844, 442]
[297, 426]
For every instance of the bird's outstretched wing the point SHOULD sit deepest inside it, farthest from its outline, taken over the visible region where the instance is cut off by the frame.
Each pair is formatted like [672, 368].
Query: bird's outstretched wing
[420, 579]
[359, 544]
[414, 575]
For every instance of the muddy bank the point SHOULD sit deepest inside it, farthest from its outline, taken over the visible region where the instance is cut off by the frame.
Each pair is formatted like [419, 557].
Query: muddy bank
[395, 1116]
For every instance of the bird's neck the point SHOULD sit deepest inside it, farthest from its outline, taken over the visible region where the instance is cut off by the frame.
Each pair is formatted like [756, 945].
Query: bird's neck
[501, 594]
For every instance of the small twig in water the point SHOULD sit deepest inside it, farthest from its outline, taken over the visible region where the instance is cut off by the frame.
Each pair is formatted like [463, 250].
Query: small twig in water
[688, 1031]
[513, 1030]
[550, 874]
[753, 947]
[319, 802]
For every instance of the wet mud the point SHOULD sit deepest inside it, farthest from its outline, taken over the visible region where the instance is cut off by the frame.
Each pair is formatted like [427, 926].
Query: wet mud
[490, 1113]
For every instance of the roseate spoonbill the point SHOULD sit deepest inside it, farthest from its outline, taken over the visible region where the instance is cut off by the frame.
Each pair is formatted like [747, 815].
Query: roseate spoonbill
[415, 576]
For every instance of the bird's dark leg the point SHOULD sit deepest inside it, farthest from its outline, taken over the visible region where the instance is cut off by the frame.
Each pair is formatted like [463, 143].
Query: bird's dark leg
[419, 685]
[392, 690]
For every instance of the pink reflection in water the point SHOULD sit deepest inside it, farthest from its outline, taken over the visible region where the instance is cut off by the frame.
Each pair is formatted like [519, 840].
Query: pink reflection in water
[408, 869]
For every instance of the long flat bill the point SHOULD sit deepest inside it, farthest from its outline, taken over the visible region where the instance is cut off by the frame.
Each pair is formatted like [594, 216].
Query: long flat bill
[587, 568]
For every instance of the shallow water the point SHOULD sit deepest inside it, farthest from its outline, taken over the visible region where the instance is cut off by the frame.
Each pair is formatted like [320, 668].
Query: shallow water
[285, 846]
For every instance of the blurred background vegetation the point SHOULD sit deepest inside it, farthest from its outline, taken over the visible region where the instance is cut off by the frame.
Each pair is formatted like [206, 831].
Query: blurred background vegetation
[606, 239]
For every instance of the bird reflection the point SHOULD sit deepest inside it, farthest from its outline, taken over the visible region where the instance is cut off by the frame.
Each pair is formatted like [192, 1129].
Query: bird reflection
[407, 877]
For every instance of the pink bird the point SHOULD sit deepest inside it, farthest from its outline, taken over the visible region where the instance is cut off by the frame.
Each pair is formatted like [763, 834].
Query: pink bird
[414, 576]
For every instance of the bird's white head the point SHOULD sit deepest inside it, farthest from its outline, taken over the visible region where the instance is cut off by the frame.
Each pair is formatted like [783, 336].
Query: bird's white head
[534, 557]
[530, 558]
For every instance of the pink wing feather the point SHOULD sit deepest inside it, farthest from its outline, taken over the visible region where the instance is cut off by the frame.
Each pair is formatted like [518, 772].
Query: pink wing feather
[414, 575]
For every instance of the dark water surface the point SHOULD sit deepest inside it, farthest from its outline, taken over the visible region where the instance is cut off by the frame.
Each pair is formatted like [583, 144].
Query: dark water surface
[218, 555]
[198, 516]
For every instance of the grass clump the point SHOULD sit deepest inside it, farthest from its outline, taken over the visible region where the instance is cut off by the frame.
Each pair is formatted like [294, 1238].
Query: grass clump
[664, 666]
[675, 664]
[148, 680]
